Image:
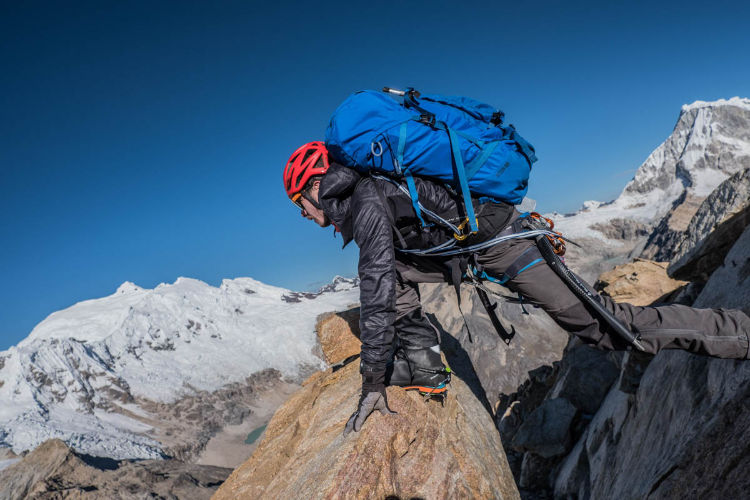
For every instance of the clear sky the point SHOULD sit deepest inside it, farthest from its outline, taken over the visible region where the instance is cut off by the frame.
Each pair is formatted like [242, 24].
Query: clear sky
[143, 141]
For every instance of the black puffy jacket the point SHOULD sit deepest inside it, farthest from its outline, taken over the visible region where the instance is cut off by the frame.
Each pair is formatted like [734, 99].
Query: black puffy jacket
[356, 205]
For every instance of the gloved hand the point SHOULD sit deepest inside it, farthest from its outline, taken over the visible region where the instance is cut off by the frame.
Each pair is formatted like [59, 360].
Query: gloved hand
[373, 398]
[368, 402]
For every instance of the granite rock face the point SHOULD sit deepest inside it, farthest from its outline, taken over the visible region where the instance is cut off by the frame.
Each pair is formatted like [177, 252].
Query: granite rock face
[472, 339]
[683, 434]
[672, 425]
[666, 237]
[543, 420]
[641, 282]
[53, 470]
[425, 451]
[339, 335]
[546, 431]
[717, 224]
[729, 285]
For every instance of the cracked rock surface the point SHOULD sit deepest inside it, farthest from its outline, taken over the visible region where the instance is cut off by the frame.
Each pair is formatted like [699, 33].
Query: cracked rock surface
[426, 451]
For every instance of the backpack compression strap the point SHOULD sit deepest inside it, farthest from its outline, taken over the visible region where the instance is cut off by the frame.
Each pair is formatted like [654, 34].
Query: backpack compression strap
[428, 118]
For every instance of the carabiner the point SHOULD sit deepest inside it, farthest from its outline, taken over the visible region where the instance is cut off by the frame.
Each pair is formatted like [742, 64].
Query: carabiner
[460, 227]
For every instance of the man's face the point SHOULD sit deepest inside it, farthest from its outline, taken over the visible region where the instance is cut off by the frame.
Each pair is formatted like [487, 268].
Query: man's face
[310, 211]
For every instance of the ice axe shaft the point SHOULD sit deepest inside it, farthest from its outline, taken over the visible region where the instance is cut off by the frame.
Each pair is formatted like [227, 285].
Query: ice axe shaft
[583, 293]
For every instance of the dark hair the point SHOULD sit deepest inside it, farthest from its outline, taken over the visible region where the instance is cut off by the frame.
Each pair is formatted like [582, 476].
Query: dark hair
[311, 181]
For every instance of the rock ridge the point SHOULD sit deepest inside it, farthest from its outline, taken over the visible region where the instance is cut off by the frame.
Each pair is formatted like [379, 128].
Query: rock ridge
[425, 451]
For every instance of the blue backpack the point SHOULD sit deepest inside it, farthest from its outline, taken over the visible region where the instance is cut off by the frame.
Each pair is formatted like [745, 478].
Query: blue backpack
[456, 140]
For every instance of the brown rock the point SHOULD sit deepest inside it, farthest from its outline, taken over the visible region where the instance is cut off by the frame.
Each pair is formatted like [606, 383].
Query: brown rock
[641, 282]
[473, 347]
[53, 470]
[425, 451]
[339, 335]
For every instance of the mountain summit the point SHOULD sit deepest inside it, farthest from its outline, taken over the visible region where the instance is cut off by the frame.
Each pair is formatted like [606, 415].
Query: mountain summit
[709, 143]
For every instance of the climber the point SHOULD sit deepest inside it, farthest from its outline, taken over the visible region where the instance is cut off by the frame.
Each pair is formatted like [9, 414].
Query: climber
[378, 214]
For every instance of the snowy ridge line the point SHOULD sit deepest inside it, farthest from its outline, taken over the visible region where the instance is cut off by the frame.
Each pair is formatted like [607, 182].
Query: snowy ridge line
[742, 102]
[78, 374]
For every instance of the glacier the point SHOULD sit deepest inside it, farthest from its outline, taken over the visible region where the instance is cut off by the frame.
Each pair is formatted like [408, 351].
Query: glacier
[76, 375]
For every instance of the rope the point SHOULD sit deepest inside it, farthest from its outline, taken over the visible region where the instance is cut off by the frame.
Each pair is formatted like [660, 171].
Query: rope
[438, 251]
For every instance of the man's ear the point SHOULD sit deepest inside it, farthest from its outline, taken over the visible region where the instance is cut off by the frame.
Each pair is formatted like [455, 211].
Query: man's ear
[316, 184]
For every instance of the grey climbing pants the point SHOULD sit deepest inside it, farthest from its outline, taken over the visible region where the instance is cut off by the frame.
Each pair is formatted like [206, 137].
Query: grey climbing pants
[713, 332]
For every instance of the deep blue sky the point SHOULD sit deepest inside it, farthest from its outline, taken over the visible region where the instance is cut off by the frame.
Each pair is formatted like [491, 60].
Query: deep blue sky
[143, 141]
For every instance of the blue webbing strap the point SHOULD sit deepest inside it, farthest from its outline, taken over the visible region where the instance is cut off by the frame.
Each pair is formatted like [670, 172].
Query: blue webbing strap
[414, 196]
[507, 277]
[401, 147]
[407, 174]
[473, 167]
[532, 263]
[462, 179]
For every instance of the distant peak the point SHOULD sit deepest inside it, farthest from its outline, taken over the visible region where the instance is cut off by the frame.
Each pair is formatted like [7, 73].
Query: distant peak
[741, 102]
[339, 284]
[591, 204]
[128, 287]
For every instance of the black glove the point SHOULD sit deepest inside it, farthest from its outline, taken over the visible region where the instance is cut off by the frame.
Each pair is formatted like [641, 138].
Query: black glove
[373, 398]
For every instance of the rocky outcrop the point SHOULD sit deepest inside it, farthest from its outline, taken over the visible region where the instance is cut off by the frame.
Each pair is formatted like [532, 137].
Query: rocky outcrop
[53, 470]
[666, 237]
[339, 335]
[641, 282]
[717, 224]
[729, 285]
[425, 451]
[541, 422]
[668, 426]
[683, 434]
[634, 427]
[593, 257]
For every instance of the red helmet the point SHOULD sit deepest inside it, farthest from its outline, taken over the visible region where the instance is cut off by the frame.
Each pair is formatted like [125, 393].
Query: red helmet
[302, 165]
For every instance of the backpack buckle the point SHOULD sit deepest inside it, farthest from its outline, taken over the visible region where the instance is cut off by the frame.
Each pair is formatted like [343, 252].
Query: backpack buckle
[427, 119]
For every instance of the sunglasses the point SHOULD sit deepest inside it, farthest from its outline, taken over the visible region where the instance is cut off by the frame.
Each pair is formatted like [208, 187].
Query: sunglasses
[297, 200]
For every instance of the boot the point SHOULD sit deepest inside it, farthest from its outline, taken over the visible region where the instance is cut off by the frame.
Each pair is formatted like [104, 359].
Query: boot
[420, 369]
[397, 372]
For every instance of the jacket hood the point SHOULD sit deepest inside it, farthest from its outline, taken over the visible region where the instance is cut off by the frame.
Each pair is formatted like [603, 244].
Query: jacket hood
[335, 195]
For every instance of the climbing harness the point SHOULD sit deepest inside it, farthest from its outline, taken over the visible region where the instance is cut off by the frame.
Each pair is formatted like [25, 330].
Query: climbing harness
[451, 247]
[550, 246]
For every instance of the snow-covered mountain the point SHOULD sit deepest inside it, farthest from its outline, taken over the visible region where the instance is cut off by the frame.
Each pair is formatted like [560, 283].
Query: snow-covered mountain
[710, 142]
[80, 373]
